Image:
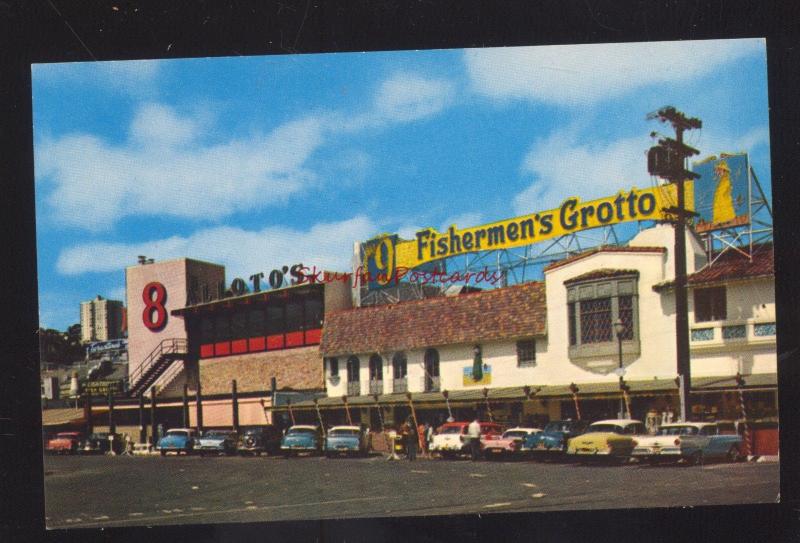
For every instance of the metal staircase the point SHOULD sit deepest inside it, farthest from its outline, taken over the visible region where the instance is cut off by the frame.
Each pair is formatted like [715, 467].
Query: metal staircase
[156, 363]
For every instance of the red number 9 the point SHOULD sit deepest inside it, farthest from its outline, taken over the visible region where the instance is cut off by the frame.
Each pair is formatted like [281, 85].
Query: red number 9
[154, 306]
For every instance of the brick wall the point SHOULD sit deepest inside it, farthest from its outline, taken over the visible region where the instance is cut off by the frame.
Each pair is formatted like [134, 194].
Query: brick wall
[293, 368]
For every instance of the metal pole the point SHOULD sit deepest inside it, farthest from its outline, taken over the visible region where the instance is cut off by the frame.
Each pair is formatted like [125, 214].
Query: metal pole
[87, 409]
[142, 432]
[235, 405]
[153, 436]
[199, 407]
[185, 405]
[112, 428]
[621, 382]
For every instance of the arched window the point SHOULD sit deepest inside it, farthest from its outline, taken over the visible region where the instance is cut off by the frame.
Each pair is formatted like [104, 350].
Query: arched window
[399, 365]
[431, 370]
[352, 369]
[375, 368]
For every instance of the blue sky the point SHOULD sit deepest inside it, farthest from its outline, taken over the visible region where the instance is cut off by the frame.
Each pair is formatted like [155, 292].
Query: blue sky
[261, 162]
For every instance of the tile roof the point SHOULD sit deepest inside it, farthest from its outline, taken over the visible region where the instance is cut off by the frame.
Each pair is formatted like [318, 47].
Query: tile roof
[602, 273]
[503, 313]
[604, 249]
[732, 265]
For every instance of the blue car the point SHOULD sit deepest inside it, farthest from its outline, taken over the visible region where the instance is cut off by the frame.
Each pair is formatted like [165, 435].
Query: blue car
[177, 440]
[301, 439]
[553, 439]
[346, 440]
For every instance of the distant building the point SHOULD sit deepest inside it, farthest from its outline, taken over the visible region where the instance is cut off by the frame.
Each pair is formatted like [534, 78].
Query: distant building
[101, 320]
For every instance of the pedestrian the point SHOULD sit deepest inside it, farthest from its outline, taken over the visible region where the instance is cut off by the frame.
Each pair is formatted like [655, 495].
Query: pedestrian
[474, 433]
[410, 436]
[421, 438]
[428, 437]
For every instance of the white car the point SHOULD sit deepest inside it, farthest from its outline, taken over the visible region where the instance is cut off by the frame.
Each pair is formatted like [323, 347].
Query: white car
[690, 441]
[499, 446]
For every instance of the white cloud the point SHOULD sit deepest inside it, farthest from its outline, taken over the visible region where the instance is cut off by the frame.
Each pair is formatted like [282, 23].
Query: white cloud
[562, 167]
[406, 97]
[580, 74]
[714, 142]
[156, 173]
[243, 252]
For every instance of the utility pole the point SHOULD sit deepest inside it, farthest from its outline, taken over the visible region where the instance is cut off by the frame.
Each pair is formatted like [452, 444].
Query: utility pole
[667, 160]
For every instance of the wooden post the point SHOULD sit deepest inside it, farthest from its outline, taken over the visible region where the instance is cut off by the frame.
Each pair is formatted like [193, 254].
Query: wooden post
[112, 428]
[199, 407]
[347, 410]
[235, 405]
[185, 405]
[87, 410]
[153, 432]
[574, 389]
[142, 431]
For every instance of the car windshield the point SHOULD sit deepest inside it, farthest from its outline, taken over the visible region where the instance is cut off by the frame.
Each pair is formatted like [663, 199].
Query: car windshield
[216, 433]
[66, 435]
[301, 431]
[343, 432]
[515, 433]
[677, 431]
[178, 433]
[557, 427]
[615, 428]
[452, 430]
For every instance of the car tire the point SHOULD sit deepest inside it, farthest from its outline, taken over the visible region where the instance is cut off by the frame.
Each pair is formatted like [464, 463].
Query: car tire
[696, 459]
[201, 453]
[163, 452]
[734, 454]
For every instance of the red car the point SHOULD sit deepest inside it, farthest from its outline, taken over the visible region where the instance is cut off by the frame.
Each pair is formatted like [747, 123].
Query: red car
[451, 440]
[64, 443]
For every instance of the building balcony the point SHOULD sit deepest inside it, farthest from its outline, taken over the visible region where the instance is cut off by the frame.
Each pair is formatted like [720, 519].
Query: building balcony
[354, 388]
[376, 386]
[724, 334]
[400, 385]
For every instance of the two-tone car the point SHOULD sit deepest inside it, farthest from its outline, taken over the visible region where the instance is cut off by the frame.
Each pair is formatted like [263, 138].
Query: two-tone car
[611, 440]
[508, 444]
[692, 442]
[216, 442]
[552, 441]
[64, 443]
[345, 440]
[301, 438]
[178, 440]
[451, 439]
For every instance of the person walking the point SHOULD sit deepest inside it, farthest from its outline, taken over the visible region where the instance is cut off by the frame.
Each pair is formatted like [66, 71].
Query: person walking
[410, 435]
[474, 433]
[428, 437]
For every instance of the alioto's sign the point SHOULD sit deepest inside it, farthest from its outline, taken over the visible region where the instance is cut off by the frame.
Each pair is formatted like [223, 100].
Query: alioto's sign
[384, 255]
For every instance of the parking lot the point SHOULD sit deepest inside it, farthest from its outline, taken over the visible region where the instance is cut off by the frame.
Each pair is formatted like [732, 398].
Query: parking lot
[98, 491]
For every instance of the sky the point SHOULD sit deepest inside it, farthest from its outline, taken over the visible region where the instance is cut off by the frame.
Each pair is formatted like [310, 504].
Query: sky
[261, 162]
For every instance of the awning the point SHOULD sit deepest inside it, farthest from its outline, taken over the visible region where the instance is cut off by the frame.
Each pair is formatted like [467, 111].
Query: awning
[587, 391]
[58, 417]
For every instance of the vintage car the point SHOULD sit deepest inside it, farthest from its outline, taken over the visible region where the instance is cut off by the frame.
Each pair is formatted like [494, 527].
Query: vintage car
[217, 442]
[64, 443]
[553, 439]
[178, 440]
[611, 439]
[692, 442]
[451, 439]
[98, 443]
[260, 439]
[509, 443]
[346, 440]
[301, 438]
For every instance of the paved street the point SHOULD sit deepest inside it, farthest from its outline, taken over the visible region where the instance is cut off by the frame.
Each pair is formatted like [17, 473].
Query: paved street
[125, 491]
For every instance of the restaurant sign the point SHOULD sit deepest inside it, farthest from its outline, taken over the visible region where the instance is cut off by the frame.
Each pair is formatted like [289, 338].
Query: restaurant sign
[384, 255]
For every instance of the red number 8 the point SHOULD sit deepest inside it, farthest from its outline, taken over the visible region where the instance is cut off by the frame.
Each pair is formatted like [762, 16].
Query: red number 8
[156, 305]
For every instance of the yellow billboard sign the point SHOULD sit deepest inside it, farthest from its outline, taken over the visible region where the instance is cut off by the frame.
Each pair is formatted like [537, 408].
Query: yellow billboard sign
[388, 257]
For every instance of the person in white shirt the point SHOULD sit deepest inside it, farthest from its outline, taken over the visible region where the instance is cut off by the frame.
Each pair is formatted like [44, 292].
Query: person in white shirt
[474, 433]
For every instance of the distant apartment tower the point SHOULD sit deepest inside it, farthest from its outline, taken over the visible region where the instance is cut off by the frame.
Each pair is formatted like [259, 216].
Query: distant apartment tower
[101, 320]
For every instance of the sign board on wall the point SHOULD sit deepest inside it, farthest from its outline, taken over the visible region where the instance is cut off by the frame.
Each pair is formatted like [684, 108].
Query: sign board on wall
[467, 379]
[389, 257]
[722, 192]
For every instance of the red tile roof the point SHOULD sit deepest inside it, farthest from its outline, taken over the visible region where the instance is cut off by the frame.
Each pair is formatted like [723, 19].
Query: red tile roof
[603, 249]
[731, 266]
[602, 273]
[504, 313]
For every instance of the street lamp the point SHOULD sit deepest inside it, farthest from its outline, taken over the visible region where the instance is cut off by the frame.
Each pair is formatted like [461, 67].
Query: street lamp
[619, 328]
